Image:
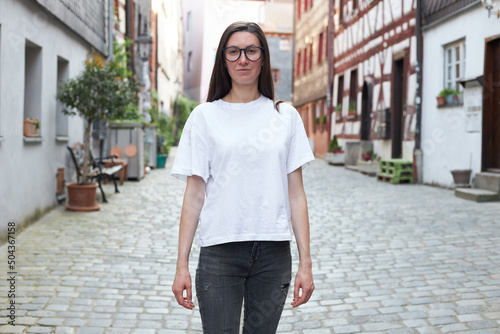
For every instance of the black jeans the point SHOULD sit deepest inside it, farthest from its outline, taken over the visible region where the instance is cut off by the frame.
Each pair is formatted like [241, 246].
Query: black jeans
[258, 272]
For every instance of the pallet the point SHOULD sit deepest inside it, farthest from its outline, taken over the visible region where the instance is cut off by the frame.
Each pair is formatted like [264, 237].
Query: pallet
[396, 171]
[383, 177]
[397, 163]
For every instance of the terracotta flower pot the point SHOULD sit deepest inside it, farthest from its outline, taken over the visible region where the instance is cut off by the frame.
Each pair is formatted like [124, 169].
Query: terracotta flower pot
[29, 129]
[82, 197]
[441, 100]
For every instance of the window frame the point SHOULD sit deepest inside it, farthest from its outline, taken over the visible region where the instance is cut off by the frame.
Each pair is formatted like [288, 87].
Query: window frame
[299, 61]
[275, 74]
[304, 69]
[320, 46]
[450, 80]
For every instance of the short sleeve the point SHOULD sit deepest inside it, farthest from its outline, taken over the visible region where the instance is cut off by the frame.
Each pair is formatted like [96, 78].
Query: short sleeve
[300, 153]
[192, 157]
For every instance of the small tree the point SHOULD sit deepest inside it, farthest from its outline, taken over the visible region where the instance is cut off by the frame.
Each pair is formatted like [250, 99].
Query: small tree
[103, 90]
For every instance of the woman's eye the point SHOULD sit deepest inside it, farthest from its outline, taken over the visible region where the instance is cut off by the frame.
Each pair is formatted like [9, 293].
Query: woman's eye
[232, 52]
[251, 51]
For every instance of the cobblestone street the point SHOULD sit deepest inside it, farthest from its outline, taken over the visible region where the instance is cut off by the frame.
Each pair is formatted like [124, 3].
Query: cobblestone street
[387, 259]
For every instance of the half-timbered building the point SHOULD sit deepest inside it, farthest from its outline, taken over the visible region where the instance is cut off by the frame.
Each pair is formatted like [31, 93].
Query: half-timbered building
[374, 59]
[311, 70]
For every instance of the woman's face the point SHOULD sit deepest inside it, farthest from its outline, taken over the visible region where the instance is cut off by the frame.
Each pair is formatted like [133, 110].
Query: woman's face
[244, 71]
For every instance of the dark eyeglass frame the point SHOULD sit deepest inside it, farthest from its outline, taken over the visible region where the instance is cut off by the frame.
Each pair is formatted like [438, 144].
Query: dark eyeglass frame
[244, 50]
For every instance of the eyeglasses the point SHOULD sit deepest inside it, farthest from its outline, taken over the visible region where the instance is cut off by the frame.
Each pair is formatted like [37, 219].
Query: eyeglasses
[233, 53]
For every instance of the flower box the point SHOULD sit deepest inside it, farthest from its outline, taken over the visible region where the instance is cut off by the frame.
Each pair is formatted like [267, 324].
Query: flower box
[335, 158]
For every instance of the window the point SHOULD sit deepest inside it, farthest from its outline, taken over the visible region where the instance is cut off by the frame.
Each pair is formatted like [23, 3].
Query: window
[341, 11]
[317, 115]
[190, 61]
[276, 75]
[454, 60]
[299, 4]
[310, 56]
[285, 44]
[305, 61]
[33, 82]
[61, 119]
[188, 21]
[353, 93]
[297, 69]
[340, 90]
[327, 43]
[320, 47]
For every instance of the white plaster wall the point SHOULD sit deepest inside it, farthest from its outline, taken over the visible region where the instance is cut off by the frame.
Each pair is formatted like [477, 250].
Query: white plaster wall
[28, 170]
[170, 61]
[447, 140]
[193, 41]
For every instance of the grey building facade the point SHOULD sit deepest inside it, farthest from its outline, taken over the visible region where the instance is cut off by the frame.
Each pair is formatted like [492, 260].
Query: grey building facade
[280, 47]
[42, 43]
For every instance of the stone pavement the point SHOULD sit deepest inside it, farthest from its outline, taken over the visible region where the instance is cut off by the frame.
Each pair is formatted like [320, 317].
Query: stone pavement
[387, 259]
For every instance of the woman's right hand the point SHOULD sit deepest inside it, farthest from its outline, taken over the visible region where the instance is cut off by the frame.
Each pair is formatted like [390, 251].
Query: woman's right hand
[182, 282]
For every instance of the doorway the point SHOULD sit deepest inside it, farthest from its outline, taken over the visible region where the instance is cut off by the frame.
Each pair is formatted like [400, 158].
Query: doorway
[398, 96]
[491, 108]
[366, 112]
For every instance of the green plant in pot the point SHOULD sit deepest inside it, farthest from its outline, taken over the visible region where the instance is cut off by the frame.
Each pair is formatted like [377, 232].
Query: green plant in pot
[335, 155]
[166, 137]
[103, 90]
[448, 94]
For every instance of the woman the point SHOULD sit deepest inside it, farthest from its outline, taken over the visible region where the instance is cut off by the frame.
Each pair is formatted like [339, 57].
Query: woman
[245, 154]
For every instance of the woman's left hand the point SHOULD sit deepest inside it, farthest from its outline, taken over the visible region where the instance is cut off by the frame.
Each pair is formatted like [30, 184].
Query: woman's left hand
[303, 281]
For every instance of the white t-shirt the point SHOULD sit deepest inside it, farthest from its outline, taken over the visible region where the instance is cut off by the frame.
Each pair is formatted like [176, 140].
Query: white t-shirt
[243, 152]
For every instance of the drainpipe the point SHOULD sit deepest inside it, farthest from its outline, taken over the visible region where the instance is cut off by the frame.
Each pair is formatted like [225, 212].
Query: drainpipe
[417, 153]
[103, 139]
[110, 29]
[331, 68]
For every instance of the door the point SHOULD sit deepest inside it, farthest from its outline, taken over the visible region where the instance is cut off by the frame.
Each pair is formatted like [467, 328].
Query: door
[491, 108]
[398, 92]
[366, 112]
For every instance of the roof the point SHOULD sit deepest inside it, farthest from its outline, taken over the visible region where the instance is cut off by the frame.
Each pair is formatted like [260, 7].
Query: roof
[435, 10]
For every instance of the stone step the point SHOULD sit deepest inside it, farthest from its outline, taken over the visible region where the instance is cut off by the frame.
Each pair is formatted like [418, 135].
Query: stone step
[488, 181]
[478, 195]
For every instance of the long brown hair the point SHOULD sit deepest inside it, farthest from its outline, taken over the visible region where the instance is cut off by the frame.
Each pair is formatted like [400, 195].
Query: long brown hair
[220, 82]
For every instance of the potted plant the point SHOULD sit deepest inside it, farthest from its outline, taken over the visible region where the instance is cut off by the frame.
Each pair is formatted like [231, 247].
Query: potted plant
[446, 97]
[461, 177]
[369, 163]
[103, 90]
[458, 97]
[165, 138]
[338, 113]
[352, 108]
[335, 155]
[31, 127]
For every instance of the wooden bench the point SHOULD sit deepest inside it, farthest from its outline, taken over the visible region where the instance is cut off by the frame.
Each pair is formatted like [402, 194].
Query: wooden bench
[98, 171]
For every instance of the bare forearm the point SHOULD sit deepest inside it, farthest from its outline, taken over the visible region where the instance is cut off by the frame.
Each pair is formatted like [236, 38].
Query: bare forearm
[300, 225]
[190, 215]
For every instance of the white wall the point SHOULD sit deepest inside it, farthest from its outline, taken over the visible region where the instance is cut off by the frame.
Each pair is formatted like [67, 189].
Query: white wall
[193, 43]
[450, 136]
[28, 170]
[170, 61]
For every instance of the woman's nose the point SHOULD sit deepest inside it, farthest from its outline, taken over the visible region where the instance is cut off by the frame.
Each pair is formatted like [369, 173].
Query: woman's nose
[243, 58]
